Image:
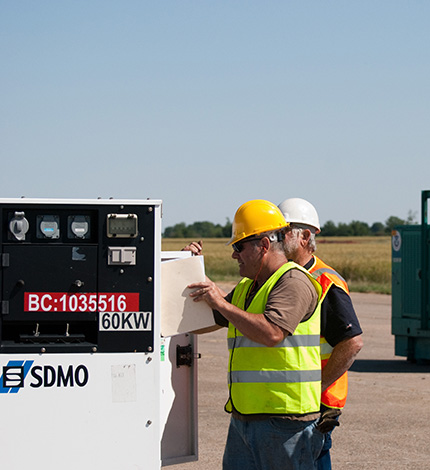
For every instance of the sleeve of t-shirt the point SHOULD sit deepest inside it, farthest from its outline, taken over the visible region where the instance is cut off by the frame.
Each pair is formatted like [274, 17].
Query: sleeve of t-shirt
[291, 301]
[338, 318]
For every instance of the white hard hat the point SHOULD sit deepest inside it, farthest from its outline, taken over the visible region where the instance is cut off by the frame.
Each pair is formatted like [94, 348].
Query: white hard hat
[300, 211]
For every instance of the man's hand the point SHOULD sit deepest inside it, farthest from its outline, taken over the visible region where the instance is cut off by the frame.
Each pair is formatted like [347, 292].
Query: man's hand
[196, 248]
[209, 292]
[328, 420]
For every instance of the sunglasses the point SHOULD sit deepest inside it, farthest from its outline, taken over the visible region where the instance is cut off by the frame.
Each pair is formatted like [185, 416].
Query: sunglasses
[238, 246]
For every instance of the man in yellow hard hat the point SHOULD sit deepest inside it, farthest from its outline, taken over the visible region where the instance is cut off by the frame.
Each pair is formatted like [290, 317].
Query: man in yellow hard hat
[273, 322]
[341, 334]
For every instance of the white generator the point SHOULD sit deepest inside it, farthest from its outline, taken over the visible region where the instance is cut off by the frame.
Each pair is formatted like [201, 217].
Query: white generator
[87, 382]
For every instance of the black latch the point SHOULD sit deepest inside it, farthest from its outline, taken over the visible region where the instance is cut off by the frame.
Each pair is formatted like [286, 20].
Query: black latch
[184, 356]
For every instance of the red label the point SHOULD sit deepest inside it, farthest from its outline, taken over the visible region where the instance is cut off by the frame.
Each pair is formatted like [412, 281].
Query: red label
[82, 302]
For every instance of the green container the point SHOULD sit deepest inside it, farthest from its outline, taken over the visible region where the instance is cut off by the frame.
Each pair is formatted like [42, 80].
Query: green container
[410, 288]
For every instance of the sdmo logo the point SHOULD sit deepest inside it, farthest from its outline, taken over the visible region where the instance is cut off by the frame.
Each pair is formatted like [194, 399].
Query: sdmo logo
[17, 374]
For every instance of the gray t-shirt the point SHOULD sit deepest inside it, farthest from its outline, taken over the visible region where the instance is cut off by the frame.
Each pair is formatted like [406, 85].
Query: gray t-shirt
[291, 301]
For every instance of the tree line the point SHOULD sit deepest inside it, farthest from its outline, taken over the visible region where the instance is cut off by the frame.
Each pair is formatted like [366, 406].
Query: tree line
[329, 229]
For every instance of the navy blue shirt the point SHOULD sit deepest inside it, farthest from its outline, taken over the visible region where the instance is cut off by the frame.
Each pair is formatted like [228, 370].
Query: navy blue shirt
[338, 318]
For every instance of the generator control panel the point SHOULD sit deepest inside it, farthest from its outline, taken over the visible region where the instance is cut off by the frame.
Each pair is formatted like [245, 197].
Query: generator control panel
[78, 275]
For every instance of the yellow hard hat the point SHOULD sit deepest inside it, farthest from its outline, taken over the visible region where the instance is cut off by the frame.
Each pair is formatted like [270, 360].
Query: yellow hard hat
[255, 217]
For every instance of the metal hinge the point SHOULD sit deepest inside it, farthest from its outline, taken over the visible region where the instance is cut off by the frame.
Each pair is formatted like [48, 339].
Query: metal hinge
[5, 307]
[5, 260]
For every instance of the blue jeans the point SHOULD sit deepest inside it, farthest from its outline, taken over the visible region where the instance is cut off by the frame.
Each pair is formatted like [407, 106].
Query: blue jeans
[272, 444]
[324, 459]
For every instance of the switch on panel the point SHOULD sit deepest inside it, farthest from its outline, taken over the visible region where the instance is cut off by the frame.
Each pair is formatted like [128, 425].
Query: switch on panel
[122, 255]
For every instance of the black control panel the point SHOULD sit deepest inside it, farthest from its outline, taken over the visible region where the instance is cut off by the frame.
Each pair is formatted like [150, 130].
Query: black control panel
[77, 277]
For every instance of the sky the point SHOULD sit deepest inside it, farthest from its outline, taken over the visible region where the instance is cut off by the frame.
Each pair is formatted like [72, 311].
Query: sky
[208, 104]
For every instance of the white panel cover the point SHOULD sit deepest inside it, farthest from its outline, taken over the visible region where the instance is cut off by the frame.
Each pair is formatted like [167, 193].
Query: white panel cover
[81, 411]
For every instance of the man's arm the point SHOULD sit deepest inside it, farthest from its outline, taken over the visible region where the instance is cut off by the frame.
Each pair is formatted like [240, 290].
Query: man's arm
[341, 359]
[291, 300]
[341, 328]
[255, 327]
[208, 329]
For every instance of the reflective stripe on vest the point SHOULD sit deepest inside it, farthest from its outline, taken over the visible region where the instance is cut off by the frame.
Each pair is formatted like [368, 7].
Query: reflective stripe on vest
[335, 395]
[319, 272]
[289, 342]
[284, 379]
[274, 376]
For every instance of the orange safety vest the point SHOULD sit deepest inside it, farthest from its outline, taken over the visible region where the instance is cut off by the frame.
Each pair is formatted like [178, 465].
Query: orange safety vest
[335, 395]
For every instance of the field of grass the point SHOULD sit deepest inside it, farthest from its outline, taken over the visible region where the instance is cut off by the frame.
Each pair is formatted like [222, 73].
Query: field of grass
[365, 262]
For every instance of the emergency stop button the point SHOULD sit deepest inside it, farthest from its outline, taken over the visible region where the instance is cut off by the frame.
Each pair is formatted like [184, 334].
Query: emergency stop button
[122, 255]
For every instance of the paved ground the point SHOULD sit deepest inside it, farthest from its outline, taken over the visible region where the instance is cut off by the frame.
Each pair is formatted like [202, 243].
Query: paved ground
[386, 422]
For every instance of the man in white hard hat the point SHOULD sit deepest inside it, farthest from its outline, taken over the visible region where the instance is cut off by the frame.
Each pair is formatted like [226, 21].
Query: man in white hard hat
[341, 334]
[273, 321]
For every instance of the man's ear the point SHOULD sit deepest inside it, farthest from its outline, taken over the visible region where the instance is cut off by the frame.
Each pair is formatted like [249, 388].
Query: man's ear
[265, 243]
[306, 235]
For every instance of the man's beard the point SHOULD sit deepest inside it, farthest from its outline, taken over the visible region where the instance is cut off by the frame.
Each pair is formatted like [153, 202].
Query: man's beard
[290, 247]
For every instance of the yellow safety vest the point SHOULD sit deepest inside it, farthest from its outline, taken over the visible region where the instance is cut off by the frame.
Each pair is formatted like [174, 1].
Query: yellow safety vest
[284, 379]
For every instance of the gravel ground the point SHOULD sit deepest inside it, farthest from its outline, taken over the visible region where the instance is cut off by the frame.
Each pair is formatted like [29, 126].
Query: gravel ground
[386, 419]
